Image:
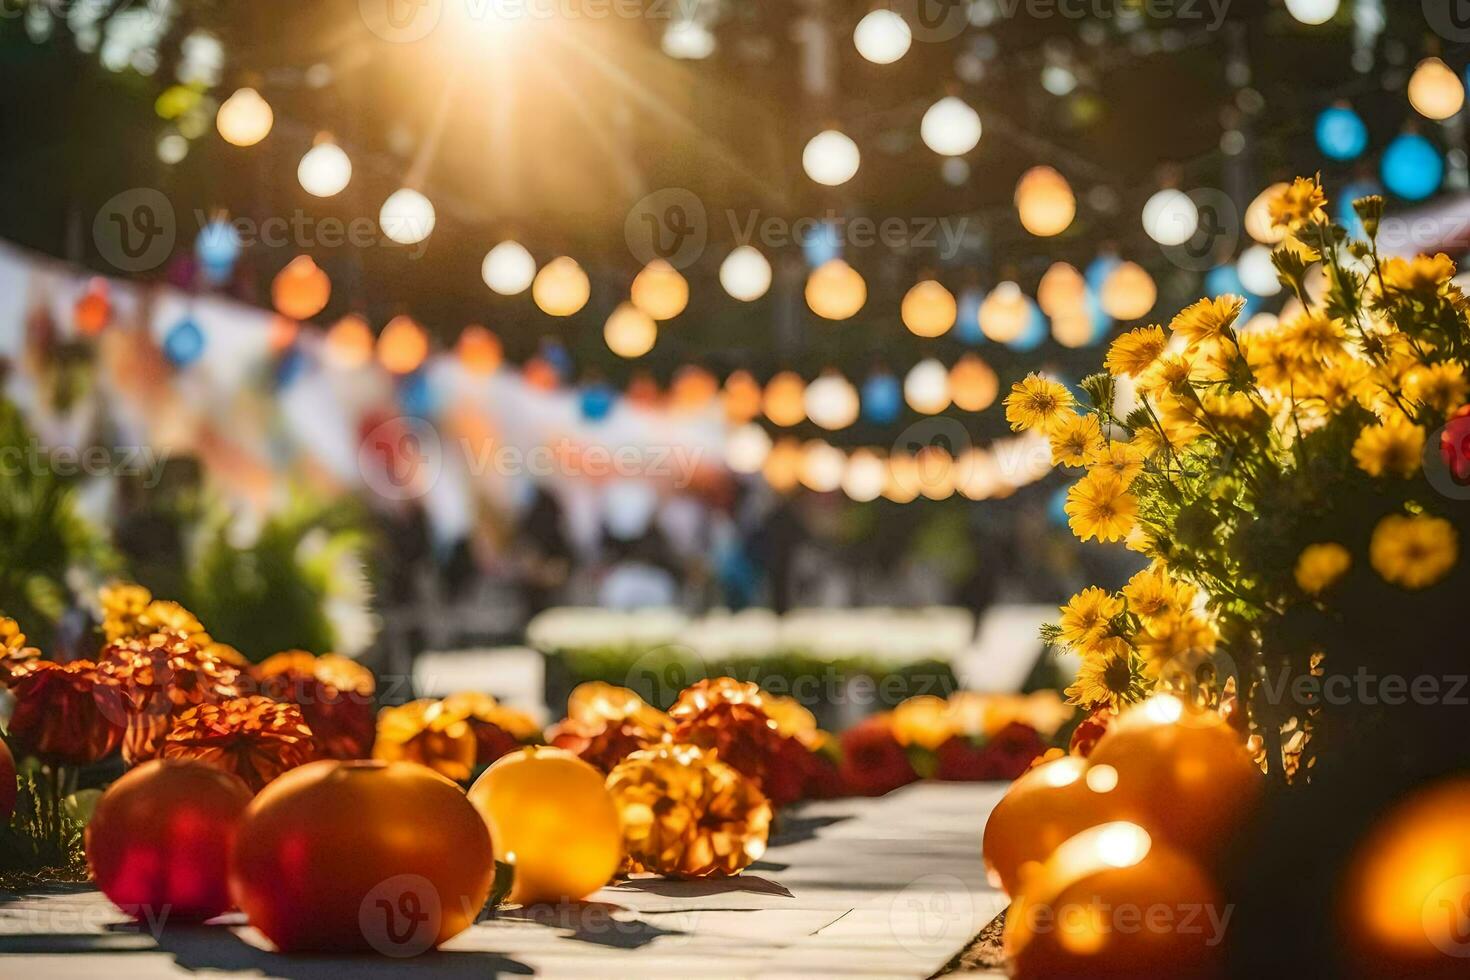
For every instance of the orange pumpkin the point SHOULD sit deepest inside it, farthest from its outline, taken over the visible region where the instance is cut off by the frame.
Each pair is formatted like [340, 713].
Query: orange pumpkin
[159, 841]
[1041, 810]
[341, 856]
[1113, 902]
[1183, 774]
[553, 819]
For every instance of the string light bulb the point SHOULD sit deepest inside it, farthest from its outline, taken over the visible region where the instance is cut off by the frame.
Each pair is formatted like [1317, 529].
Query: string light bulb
[561, 288]
[630, 332]
[1170, 217]
[1005, 313]
[785, 399]
[1045, 202]
[301, 290]
[928, 309]
[745, 274]
[402, 346]
[245, 118]
[973, 384]
[951, 127]
[1313, 12]
[1062, 290]
[325, 170]
[831, 158]
[1435, 91]
[508, 268]
[882, 37]
[660, 291]
[831, 401]
[407, 216]
[1129, 293]
[864, 476]
[926, 387]
[835, 290]
[746, 448]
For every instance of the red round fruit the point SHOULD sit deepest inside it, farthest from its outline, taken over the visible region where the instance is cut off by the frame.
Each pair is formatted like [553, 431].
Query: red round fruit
[344, 856]
[159, 841]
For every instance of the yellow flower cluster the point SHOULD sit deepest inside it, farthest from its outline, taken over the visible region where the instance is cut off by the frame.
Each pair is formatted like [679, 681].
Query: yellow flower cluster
[1328, 409]
[1125, 640]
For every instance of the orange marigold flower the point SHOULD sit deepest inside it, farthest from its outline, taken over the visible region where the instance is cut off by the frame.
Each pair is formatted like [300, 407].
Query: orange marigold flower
[729, 716]
[423, 731]
[335, 695]
[157, 676]
[253, 737]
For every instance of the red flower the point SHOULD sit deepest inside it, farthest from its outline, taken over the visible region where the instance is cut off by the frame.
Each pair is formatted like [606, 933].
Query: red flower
[604, 744]
[872, 760]
[1012, 749]
[1092, 728]
[335, 695]
[962, 759]
[789, 773]
[1454, 446]
[68, 714]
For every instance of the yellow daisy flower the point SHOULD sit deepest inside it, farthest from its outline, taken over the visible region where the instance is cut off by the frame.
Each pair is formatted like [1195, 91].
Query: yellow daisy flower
[1074, 438]
[1086, 615]
[1345, 381]
[1134, 351]
[1303, 201]
[1208, 319]
[1123, 460]
[1154, 595]
[1391, 448]
[1112, 676]
[1035, 401]
[1313, 337]
[1100, 506]
[1167, 637]
[1440, 386]
[1172, 372]
[1321, 566]
[1421, 274]
[1414, 552]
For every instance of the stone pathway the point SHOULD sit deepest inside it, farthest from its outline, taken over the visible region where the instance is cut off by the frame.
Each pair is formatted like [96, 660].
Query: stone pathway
[893, 887]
